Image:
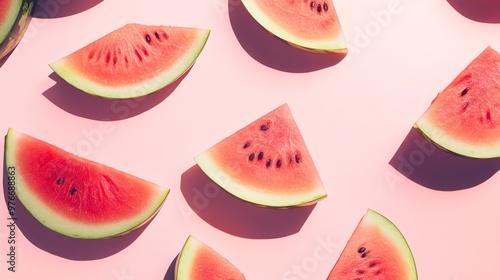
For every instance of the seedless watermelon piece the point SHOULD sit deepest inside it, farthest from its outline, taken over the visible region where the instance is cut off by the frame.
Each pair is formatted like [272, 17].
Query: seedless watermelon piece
[376, 250]
[465, 117]
[198, 261]
[308, 24]
[132, 61]
[74, 196]
[265, 163]
[14, 18]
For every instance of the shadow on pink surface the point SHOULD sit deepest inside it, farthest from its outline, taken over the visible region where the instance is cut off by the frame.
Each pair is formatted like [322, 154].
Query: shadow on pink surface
[422, 162]
[235, 216]
[79, 103]
[487, 11]
[61, 245]
[170, 274]
[5, 58]
[62, 8]
[271, 51]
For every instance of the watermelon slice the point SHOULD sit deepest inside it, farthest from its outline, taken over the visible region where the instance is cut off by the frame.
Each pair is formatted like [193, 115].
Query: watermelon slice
[14, 19]
[307, 24]
[198, 261]
[465, 117]
[74, 196]
[132, 61]
[376, 250]
[265, 163]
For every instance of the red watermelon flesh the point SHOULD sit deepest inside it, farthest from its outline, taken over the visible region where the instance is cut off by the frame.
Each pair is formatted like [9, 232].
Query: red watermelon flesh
[75, 196]
[309, 24]
[266, 163]
[465, 117]
[133, 60]
[198, 261]
[375, 250]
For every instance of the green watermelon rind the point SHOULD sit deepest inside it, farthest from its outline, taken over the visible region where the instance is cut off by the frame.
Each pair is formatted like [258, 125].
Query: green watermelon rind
[447, 143]
[376, 221]
[184, 266]
[161, 80]
[393, 233]
[63, 225]
[339, 45]
[242, 191]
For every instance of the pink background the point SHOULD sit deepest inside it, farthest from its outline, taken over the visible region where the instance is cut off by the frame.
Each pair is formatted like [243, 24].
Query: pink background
[355, 113]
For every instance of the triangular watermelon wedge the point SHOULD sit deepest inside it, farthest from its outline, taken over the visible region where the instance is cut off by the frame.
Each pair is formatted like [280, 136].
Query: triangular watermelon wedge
[198, 261]
[308, 24]
[132, 61]
[74, 196]
[376, 250]
[465, 117]
[266, 163]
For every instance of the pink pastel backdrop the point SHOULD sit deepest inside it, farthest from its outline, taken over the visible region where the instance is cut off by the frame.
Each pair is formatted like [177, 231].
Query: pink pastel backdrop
[355, 113]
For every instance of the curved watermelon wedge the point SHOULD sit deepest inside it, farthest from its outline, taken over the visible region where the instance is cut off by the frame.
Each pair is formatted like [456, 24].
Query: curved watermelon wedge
[266, 163]
[307, 24]
[465, 117]
[77, 197]
[15, 16]
[198, 261]
[376, 250]
[132, 61]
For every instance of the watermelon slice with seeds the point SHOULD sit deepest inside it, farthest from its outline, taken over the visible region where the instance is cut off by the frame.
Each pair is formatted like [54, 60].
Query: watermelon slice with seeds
[74, 196]
[198, 261]
[376, 250]
[465, 117]
[312, 25]
[132, 61]
[266, 163]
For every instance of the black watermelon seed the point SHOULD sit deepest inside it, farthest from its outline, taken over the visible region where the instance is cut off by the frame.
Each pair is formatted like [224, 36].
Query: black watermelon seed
[157, 36]
[261, 155]
[325, 7]
[318, 8]
[73, 190]
[264, 127]
[364, 255]
[464, 92]
[361, 250]
[360, 271]
[297, 158]
[373, 264]
[148, 39]
[60, 180]
[268, 163]
[312, 4]
[246, 145]
[251, 157]
[278, 163]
